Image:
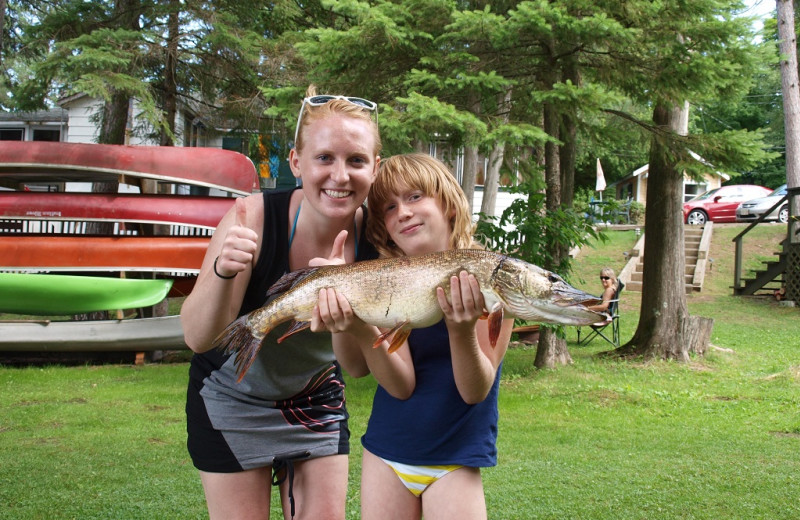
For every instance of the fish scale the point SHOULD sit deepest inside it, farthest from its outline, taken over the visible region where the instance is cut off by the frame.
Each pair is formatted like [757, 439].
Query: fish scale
[400, 294]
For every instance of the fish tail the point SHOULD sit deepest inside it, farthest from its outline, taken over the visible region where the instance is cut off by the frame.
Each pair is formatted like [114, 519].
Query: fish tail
[238, 339]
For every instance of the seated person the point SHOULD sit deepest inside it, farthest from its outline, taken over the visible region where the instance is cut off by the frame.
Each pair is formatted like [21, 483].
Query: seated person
[610, 284]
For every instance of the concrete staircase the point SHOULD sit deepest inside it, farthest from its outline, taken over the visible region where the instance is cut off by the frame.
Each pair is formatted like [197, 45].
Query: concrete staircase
[697, 241]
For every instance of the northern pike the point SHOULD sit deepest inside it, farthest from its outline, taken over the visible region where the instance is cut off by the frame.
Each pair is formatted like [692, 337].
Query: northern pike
[399, 294]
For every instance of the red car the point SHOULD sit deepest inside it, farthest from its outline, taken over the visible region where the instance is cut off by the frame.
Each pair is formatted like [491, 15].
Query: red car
[719, 205]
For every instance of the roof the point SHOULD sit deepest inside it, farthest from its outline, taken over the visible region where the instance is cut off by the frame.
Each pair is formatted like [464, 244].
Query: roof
[55, 115]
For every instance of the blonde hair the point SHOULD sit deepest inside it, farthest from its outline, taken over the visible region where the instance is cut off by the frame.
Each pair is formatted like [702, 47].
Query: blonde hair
[422, 172]
[312, 113]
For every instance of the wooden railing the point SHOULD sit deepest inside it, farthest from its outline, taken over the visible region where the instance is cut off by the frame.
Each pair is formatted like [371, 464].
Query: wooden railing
[738, 240]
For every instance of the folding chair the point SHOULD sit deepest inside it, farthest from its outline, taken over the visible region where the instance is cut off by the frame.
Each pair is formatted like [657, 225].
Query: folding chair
[597, 330]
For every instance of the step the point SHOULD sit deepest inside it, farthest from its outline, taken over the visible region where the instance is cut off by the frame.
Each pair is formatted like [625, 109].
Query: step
[634, 286]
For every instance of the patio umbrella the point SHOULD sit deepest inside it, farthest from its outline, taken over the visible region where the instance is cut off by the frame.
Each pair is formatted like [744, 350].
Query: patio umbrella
[601, 180]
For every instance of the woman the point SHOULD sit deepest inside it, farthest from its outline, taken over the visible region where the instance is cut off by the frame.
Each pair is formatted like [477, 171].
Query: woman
[610, 284]
[239, 433]
[434, 415]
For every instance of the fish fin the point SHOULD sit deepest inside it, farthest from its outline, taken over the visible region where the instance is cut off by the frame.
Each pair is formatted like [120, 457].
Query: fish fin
[495, 323]
[399, 338]
[289, 280]
[237, 339]
[296, 327]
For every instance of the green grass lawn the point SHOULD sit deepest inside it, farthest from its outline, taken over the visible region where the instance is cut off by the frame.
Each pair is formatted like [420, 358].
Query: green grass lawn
[599, 439]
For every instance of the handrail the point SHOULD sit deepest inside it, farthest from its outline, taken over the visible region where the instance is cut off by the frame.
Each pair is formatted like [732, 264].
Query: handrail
[737, 265]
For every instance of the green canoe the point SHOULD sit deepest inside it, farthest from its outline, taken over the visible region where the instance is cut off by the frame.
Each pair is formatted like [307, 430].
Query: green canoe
[55, 294]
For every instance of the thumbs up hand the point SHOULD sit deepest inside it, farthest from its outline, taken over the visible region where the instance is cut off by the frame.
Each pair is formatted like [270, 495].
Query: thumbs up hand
[239, 246]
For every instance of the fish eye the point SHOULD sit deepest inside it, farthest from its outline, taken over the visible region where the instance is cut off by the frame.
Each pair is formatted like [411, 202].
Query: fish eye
[553, 278]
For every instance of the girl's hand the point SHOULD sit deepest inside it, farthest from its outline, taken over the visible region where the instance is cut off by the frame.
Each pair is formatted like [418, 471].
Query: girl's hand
[466, 303]
[239, 246]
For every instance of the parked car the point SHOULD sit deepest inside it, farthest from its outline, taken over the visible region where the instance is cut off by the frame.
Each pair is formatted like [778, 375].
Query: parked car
[719, 204]
[752, 209]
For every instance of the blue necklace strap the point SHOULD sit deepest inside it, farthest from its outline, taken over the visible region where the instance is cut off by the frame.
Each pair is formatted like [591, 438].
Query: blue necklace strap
[355, 235]
[294, 228]
[294, 224]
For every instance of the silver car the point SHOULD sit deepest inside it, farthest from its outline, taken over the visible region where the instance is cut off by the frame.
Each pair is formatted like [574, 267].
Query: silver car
[752, 209]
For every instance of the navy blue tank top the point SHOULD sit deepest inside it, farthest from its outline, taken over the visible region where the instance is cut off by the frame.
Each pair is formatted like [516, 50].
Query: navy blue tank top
[434, 426]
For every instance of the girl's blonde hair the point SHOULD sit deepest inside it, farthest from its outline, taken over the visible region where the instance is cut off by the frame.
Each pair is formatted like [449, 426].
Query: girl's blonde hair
[422, 172]
[312, 113]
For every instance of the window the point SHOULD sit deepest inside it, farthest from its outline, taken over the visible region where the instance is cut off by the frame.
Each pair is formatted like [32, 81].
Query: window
[41, 134]
[12, 134]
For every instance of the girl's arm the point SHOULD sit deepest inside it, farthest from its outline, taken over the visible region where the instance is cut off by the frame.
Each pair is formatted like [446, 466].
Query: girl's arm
[214, 301]
[352, 344]
[475, 361]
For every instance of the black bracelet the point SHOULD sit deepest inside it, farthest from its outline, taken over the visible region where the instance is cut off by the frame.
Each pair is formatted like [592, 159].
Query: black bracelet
[217, 272]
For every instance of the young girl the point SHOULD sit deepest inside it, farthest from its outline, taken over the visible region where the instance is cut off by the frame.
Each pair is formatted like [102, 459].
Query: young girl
[434, 415]
[288, 414]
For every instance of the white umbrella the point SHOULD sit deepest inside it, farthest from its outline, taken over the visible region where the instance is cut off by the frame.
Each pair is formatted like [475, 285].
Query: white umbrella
[601, 180]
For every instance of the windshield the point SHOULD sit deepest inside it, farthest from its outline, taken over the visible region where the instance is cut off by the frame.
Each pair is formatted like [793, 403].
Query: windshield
[707, 194]
[779, 192]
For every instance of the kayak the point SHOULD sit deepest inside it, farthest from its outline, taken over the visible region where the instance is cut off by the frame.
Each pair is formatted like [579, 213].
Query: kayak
[81, 253]
[57, 294]
[139, 335]
[41, 161]
[185, 210]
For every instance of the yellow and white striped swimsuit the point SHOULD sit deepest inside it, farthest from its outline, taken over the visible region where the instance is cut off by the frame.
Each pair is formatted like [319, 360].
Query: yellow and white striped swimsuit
[417, 478]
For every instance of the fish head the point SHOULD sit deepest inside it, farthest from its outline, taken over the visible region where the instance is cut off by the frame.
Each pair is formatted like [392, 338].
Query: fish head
[531, 293]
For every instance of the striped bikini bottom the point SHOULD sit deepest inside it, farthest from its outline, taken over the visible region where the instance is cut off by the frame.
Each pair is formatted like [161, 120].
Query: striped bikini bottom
[417, 478]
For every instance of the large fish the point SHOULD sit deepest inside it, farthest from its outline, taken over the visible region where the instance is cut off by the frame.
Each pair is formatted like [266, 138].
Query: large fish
[399, 294]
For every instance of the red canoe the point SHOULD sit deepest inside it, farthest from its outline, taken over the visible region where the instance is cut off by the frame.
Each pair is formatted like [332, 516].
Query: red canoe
[38, 161]
[185, 210]
[80, 253]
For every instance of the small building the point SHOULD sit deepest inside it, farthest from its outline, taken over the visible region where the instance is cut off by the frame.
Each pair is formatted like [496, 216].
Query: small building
[634, 186]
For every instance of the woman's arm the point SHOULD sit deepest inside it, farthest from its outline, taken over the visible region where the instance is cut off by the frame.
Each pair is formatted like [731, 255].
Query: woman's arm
[608, 295]
[475, 361]
[214, 301]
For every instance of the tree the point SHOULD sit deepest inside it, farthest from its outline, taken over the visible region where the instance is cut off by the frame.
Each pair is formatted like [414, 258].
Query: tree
[684, 54]
[791, 117]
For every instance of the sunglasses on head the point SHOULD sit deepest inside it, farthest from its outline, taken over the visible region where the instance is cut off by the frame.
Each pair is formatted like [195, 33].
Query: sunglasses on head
[604, 278]
[316, 101]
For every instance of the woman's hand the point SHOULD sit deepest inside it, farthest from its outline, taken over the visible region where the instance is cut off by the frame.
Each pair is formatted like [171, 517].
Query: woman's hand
[239, 246]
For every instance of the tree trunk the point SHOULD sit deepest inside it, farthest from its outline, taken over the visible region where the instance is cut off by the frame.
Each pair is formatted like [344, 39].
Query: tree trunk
[791, 121]
[492, 182]
[170, 81]
[552, 350]
[470, 173]
[2, 28]
[569, 150]
[492, 179]
[660, 332]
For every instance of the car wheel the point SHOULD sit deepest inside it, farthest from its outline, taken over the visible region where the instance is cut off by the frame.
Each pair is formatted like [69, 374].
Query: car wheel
[696, 217]
[783, 215]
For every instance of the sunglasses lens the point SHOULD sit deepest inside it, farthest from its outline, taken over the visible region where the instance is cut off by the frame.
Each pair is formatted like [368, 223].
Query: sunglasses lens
[320, 100]
[605, 278]
[369, 105]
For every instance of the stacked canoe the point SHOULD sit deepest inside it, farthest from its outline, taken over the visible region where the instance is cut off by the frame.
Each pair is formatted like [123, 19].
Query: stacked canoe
[68, 253]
